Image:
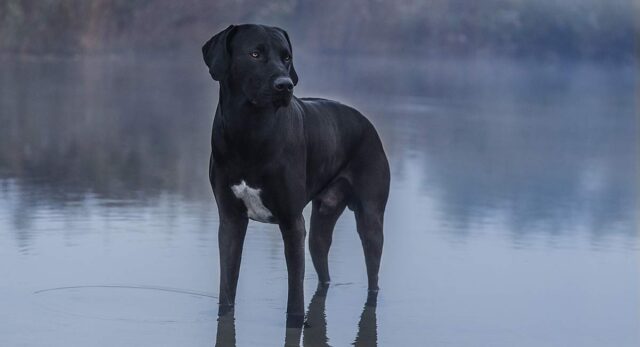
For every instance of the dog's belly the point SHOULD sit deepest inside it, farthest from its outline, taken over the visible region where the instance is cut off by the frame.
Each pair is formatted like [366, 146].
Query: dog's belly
[251, 198]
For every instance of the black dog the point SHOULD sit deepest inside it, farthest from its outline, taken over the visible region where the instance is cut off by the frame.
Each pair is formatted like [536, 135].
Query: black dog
[272, 153]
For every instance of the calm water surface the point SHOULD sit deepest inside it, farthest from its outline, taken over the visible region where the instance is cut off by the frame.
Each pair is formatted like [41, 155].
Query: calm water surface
[512, 220]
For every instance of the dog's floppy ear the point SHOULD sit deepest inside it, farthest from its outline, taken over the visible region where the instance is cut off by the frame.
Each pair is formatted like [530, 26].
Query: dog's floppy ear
[216, 53]
[292, 71]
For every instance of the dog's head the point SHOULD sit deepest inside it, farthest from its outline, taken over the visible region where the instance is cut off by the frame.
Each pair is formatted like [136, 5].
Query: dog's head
[254, 60]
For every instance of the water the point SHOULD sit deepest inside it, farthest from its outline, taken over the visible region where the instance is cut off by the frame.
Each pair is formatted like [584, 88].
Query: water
[512, 219]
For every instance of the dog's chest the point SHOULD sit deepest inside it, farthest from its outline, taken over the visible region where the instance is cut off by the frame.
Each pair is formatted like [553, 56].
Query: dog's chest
[250, 196]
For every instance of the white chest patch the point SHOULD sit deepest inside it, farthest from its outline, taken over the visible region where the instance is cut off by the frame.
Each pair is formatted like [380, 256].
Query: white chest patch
[251, 198]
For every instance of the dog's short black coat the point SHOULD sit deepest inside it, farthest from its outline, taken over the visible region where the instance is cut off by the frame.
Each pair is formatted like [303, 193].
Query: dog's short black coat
[272, 153]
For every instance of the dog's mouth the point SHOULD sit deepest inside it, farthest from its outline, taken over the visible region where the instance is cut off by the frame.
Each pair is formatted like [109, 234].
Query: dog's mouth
[265, 98]
[282, 99]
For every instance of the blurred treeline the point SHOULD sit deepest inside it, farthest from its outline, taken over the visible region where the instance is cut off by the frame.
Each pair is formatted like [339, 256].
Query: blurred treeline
[592, 29]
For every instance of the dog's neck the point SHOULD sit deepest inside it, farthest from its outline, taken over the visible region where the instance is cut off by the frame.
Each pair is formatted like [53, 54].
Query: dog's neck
[241, 117]
[246, 126]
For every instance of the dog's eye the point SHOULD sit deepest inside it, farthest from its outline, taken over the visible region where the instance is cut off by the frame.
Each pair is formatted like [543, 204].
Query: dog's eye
[287, 58]
[255, 54]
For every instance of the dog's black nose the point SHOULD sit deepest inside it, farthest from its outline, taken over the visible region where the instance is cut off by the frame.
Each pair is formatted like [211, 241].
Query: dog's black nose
[283, 83]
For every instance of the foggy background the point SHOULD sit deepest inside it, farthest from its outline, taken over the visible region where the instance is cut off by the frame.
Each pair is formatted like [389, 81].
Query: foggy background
[545, 29]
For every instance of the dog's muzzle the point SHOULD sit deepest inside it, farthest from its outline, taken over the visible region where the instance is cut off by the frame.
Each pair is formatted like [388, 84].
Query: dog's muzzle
[282, 91]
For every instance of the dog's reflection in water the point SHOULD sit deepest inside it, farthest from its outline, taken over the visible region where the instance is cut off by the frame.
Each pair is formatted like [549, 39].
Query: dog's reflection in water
[226, 335]
[315, 327]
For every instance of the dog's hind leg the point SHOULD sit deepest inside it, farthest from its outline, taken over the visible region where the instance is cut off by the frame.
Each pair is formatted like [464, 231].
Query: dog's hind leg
[326, 209]
[370, 194]
[369, 225]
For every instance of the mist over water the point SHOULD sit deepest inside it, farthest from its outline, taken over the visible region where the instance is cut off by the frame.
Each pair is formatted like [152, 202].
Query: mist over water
[512, 220]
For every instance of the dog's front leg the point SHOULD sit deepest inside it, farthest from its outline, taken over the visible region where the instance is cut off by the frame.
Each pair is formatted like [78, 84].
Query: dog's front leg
[231, 233]
[293, 235]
